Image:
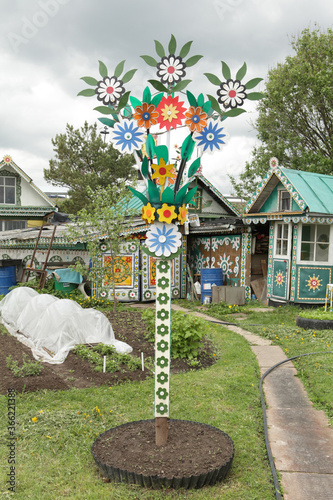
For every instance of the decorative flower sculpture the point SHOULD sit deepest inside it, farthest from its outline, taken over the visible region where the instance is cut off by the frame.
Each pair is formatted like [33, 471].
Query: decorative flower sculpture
[109, 90]
[212, 137]
[171, 69]
[182, 214]
[273, 162]
[196, 119]
[162, 171]
[231, 93]
[171, 112]
[163, 239]
[162, 330]
[166, 213]
[146, 115]
[148, 213]
[126, 137]
[162, 378]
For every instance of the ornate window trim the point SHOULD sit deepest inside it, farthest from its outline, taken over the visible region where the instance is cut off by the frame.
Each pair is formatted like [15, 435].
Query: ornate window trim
[18, 191]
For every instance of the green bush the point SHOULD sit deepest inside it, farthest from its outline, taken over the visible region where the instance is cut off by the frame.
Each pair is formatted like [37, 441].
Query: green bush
[187, 333]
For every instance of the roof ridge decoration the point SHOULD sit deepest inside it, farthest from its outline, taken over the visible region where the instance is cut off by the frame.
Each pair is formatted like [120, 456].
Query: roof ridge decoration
[7, 160]
[282, 176]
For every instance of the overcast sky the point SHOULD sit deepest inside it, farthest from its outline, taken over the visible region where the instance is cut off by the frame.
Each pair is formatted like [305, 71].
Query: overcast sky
[48, 45]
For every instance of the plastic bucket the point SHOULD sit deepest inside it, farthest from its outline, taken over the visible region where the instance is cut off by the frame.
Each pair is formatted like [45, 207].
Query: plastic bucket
[209, 278]
[7, 278]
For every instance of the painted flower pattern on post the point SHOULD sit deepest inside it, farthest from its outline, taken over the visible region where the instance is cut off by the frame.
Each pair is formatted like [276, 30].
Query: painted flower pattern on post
[212, 138]
[163, 239]
[126, 137]
[171, 112]
[171, 69]
[231, 93]
[195, 119]
[109, 90]
[146, 115]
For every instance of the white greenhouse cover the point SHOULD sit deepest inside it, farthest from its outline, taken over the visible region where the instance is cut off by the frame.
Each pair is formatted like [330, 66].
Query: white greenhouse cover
[52, 326]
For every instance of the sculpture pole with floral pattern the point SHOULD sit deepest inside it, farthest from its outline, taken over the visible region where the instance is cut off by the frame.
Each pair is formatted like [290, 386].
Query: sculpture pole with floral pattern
[168, 194]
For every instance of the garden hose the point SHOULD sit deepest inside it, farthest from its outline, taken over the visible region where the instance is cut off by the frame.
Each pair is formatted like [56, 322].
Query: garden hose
[268, 448]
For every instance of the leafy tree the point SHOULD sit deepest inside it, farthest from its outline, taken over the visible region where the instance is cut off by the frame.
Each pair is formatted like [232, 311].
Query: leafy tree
[295, 122]
[83, 160]
[106, 220]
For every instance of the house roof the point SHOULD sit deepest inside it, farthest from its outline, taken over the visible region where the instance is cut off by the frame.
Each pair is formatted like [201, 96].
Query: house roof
[312, 192]
[7, 161]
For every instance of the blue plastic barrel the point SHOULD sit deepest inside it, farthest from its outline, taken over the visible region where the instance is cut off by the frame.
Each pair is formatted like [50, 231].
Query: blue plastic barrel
[210, 277]
[7, 278]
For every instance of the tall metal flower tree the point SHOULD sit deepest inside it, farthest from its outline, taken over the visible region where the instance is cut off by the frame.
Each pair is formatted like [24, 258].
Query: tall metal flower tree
[167, 196]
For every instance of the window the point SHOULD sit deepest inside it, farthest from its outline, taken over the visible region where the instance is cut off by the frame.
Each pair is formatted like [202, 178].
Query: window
[315, 242]
[7, 190]
[196, 204]
[9, 225]
[282, 238]
[284, 200]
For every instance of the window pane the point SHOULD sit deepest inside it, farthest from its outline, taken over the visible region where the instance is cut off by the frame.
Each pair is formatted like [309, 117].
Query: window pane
[322, 252]
[285, 247]
[2, 181]
[278, 247]
[285, 231]
[10, 195]
[308, 232]
[10, 181]
[307, 251]
[2, 200]
[279, 230]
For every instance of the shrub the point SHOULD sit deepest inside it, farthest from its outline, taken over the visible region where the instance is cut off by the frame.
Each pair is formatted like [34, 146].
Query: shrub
[28, 368]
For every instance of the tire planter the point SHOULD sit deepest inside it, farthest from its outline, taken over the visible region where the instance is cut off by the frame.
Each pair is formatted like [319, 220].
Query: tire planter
[314, 324]
[176, 475]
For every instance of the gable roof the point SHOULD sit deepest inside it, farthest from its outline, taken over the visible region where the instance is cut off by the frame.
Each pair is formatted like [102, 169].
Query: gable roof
[7, 161]
[312, 192]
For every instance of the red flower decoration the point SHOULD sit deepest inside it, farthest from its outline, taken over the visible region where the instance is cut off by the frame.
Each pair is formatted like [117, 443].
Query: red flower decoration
[171, 112]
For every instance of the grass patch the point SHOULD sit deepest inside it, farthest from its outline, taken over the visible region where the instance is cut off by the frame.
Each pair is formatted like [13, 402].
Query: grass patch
[55, 430]
[114, 361]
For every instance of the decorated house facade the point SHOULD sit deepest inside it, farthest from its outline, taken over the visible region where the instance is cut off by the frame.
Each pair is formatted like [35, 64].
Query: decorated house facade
[295, 209]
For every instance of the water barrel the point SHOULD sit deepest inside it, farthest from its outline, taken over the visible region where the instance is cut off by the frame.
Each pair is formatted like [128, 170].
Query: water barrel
[210, 277]
[7, 278]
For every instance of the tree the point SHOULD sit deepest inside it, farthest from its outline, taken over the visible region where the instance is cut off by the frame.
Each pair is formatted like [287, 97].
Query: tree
[295, 122]
[106, 220]
[83, 160]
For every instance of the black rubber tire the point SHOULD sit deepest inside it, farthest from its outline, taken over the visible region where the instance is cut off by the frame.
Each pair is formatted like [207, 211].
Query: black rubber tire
[314, 324]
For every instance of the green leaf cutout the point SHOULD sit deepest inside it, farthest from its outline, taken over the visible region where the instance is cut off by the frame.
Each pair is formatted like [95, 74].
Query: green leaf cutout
[128, 75]
[159, 49]
[135, 102]
[213, 79]
[87, 92]
[241, 72]
[107, 121]
[153, 192]
[105, 110]
[191, 99]
[187, 148]
[252, 83]
[144, 167]
[103, 70]
[226, 70]
[215, 105]
[185, 50]
[172, 45]
[157, 99]
[162, 152]
[194, 167]
[90, 80]
[201, 100]
[168, 196]
[139, 195]
[181, 194]
[146, 97]
[192, 60]
[119, 69]
[127, 110]
[158, 85]
[150, 146]
[189, 196]
[180, 86]
[149, 60]
[255, 96]
[234, 112]
[206, 107]
[123, 101]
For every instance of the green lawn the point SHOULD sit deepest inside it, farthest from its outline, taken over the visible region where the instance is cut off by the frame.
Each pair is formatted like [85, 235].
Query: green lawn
[55, 430]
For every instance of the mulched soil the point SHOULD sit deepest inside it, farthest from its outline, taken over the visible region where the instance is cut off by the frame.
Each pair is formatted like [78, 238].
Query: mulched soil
[77, 372]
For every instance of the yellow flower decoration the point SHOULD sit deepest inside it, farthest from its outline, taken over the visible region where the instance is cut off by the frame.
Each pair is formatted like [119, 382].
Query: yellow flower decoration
[182, 214]
[148, 213]
[162, 171]
[166, 213]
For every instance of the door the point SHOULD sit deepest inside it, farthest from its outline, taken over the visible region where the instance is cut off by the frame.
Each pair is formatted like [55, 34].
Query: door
[281, 261]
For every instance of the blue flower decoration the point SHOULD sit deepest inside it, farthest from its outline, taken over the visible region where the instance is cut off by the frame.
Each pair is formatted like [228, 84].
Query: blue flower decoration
[163, 239]
[212, 137]
[126, 136]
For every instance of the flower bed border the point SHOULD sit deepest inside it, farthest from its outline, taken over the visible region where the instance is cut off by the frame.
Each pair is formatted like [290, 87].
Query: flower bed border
[314, 324]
